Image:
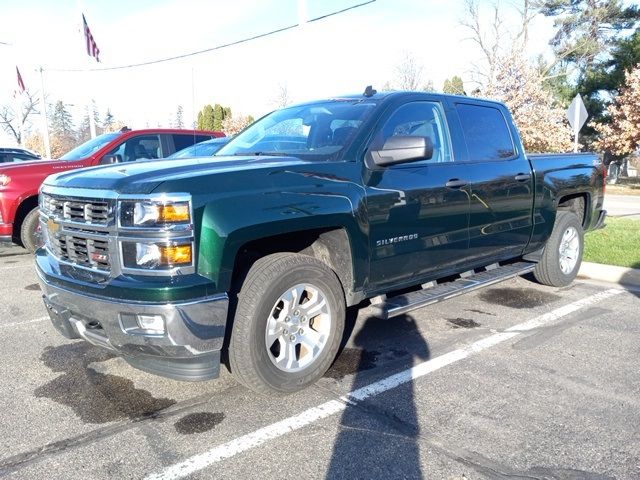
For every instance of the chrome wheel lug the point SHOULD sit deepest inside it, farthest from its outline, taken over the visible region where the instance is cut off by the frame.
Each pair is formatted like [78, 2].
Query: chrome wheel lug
[292, 338]
[286, 331]
[296, 313]
[303, 319]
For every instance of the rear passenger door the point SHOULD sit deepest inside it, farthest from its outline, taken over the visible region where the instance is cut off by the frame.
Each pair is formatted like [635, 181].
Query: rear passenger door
[500, 183]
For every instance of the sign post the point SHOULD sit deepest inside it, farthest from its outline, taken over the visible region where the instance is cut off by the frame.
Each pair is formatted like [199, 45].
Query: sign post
[577, 116]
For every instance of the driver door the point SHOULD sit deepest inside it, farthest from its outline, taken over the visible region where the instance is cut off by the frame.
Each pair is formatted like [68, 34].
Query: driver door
[418, 225]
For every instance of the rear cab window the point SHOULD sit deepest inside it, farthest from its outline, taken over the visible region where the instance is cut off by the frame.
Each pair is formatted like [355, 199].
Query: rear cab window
[485, 132]
[182, 141]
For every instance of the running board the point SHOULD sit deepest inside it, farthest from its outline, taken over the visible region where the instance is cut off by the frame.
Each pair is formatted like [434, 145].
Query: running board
[401, 304]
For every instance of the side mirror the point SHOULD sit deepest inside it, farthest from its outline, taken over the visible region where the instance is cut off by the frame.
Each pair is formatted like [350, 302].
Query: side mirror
[403, 149]
[109, 159]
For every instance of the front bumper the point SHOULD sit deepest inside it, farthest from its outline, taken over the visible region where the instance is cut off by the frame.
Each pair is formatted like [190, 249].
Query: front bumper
[189, 349]
[6, 233]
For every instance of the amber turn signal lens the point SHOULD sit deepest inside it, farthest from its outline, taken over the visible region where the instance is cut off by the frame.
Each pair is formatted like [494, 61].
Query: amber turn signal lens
[175, 254]
[173, 213]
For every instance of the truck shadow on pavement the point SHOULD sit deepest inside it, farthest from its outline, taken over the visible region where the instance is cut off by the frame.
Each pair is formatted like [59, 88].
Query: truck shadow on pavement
[376, 441]
[94, 397]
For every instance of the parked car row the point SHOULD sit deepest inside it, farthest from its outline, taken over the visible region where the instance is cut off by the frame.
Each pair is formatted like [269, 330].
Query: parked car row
[23, 172]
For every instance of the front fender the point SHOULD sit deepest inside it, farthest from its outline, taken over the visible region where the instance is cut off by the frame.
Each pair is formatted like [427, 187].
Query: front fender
[230, 222]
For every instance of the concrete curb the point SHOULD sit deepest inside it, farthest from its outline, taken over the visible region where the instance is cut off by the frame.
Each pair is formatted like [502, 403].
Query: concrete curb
[610, 273]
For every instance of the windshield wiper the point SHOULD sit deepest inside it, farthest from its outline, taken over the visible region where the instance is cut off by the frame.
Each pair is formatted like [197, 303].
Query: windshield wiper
[260, 154]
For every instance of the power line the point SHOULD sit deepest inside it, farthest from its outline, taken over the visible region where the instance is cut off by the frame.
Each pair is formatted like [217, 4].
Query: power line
[217, 47]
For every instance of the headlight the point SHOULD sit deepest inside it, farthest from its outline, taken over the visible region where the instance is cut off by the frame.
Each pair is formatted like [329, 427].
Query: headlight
[4, 180]
[157, 256]
[150, 213]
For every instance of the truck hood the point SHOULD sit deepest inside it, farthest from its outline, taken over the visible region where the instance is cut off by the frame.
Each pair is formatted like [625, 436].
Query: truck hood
[143, 177]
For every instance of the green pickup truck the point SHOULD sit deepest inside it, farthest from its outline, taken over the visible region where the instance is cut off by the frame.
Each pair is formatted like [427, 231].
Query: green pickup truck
[251, 258]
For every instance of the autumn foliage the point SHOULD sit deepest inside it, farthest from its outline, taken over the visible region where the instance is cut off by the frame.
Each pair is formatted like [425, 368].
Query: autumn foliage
[622, 135]
[542, 124]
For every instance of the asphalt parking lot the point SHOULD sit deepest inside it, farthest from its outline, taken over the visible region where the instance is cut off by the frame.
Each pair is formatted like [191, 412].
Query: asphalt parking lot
[514, 381]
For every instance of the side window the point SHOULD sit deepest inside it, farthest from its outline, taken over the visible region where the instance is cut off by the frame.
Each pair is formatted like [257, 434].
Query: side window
[139, 148]
[420, 119]
[184, 141]
[486, 132]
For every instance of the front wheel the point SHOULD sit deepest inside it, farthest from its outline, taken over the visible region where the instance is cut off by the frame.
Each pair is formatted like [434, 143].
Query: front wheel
[30, 234]
[288, 324]
[562, 255]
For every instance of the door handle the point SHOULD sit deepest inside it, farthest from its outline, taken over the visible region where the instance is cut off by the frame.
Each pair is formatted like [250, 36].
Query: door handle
[456, 183]
[523, 177]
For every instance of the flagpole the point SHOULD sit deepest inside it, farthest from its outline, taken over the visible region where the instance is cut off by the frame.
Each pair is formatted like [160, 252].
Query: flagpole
[43, 117]
[87, 71]
[17, 97]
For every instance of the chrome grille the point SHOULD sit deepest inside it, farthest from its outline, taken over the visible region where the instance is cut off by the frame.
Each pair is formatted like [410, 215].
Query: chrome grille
[75, 248]
[91, 211]
[77, 229]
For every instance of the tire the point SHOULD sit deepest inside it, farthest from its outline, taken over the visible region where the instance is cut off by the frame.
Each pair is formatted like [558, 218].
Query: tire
[272, 299]
[30, 235]
[558, 270]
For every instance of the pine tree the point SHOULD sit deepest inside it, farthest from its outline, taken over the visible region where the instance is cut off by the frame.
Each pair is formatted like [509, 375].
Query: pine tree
[84, 131]
[587, 28]
[63, 137]
[206, 118]
[220, 113]
[108, 121]
[455, 86]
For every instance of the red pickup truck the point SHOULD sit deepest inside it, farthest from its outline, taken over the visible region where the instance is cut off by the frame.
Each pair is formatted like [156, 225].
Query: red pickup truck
[19, 183]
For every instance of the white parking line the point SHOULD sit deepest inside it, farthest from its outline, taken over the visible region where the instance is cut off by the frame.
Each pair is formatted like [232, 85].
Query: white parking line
[26, 322]
[327, 409]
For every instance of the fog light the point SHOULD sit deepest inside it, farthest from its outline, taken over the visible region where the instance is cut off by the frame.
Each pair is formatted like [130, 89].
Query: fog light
[151, 323]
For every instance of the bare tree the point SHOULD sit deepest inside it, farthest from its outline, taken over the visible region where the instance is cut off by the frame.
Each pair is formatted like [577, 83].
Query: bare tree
[14, 119]
[489, 41]
[491, 37]
[409, 73]
[281, 98]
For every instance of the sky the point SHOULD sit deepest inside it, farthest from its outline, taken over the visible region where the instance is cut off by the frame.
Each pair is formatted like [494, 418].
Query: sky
[338, 55]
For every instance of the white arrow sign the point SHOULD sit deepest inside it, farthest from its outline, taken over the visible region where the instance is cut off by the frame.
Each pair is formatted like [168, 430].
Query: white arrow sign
[577, 115]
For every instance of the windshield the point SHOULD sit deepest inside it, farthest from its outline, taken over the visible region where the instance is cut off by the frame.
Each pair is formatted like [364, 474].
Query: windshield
[89, 147]
[319, 131]
[203, 149]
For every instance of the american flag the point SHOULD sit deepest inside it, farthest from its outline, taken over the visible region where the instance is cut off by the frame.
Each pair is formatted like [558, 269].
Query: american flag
[92, 46]
[21, 86]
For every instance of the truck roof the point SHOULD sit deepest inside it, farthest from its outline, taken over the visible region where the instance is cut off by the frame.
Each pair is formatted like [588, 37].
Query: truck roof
[393, 94]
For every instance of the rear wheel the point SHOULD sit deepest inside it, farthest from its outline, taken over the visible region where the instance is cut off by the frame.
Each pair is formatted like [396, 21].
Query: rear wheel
[563, 252]
[30, 233]
[288, 324]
